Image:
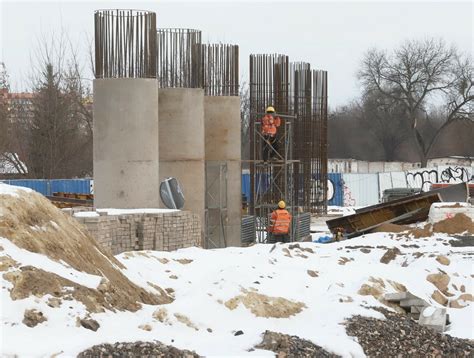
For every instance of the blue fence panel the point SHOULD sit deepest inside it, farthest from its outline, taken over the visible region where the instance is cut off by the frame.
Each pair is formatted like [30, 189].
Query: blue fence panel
[48, 187]
[80, 186]
[39, 185]
[246, 185]
[335, 189]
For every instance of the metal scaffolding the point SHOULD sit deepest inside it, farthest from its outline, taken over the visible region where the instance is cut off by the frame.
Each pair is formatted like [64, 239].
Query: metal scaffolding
[125, 44]
[299, 175]
[216, 204]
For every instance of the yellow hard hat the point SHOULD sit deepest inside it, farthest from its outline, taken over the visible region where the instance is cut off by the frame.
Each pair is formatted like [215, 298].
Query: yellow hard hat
[270, 109]
[281, 204]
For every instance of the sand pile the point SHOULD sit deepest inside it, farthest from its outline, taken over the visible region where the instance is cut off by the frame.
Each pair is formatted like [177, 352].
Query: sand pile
[265, 306]
[458, 224]
[32, 223]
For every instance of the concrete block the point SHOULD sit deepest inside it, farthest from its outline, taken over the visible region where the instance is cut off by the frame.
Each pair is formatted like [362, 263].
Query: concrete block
[413, 302]
[434, 318]
[398, 296]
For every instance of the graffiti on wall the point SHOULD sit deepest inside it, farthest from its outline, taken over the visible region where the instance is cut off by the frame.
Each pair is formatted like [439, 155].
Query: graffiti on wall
[348, 199]
[424, 178]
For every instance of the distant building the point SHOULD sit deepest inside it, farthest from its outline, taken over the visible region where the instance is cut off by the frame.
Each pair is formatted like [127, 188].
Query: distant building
[17, 101]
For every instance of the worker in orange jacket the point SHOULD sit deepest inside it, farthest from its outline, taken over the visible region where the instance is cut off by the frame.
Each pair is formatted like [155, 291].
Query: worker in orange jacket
[270, 124]
[280, 223]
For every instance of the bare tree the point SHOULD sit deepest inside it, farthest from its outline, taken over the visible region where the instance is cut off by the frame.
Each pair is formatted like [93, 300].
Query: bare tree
[414, 73]
[60, 129]
[385, 120]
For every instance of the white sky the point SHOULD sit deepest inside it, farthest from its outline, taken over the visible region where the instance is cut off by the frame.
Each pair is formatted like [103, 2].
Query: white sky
[330, 35]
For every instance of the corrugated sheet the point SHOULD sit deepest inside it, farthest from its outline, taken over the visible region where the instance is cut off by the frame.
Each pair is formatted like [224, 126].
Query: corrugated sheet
[48, 187]
[301, 226]
[360, 189]
[246, 185]
[248, 229]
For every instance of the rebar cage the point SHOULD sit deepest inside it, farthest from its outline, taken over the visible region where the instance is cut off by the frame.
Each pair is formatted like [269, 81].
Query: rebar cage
[220, 69]
[179, 61]
[125, 43]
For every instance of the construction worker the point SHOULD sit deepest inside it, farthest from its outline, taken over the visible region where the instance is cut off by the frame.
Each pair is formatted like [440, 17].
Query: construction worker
[280, 222]
[270, 124]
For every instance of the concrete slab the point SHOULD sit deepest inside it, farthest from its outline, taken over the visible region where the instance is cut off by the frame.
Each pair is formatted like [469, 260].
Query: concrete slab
[398, 296]
[434, 318]
[413, 302]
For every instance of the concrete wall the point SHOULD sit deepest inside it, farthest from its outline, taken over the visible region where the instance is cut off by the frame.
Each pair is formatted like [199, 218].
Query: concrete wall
[223, 143]
[181, 143]
[125, 143]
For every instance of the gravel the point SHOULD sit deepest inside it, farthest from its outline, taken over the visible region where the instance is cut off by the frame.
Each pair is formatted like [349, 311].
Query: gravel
[291, 346]
[401, 336]
[136, 349]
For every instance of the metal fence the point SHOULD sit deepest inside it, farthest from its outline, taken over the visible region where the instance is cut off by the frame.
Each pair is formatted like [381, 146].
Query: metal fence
[49, 186]
[125, 44]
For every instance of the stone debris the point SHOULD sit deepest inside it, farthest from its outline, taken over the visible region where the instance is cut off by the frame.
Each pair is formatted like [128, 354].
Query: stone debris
[400, 336]
[136, 349]
[312, 273]
[286, 346]
[91, 324]
[33, 317]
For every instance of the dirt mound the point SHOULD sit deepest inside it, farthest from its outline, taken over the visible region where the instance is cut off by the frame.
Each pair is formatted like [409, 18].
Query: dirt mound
[32, 223]
[391, 228]
[266, 306]
[458, 224]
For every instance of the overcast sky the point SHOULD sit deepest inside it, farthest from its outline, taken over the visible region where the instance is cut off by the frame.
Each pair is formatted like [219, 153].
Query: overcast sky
[330, 35]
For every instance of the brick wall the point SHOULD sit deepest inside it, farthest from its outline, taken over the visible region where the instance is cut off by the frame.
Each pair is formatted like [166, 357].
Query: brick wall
[158, 231]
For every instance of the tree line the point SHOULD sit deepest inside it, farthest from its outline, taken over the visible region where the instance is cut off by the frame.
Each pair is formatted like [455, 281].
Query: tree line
[416, 102]
[49, 133]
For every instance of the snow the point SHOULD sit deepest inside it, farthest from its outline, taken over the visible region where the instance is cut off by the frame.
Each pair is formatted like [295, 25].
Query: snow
[428, 311]
[112, 211]
[42, 262]
[86, 214]
[215, 276]
[6, 189]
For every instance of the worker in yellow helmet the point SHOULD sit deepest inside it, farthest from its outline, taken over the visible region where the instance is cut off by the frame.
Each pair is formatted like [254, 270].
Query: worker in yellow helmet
[270, 124]
[280, 222]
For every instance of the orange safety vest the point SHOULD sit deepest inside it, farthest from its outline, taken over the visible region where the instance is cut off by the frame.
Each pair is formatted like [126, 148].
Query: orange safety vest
[270, 125]
[281, 220]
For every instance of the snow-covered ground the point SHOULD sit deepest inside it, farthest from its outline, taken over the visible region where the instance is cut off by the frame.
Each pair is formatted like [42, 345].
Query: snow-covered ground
[204, 280]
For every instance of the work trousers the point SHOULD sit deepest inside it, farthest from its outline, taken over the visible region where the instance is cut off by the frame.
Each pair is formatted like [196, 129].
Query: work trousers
[273, 238]
[269, 143]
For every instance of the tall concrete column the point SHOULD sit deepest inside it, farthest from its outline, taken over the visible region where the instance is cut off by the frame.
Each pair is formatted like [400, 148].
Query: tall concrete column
[125, 143]
[181, 143]
[223, 143]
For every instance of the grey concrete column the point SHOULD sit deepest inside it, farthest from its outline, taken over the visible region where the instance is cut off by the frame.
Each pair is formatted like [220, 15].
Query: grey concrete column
[125, 143]
[223, 143]
[181, 142]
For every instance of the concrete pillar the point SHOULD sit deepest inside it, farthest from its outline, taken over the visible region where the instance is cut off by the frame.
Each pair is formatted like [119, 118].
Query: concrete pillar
[181, 142]
[223, 143]
[125, 143]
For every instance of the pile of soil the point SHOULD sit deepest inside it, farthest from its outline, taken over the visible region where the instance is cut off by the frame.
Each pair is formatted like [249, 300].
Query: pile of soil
[32, 223]
[391, 228]
[401, 336]
[291, 346]
[458, 224]
[266, 306]
[136, 349]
